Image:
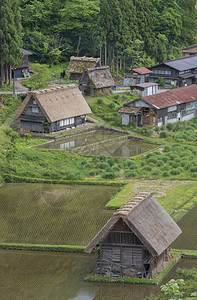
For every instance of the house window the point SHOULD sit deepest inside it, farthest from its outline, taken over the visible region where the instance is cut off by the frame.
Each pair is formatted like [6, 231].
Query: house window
[34, 102]
[172, 116]
[172, 108]
[66, 122]
[35, 110]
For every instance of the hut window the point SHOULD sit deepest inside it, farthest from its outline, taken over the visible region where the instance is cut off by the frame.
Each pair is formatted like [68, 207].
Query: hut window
[66, 122]
[35, 110]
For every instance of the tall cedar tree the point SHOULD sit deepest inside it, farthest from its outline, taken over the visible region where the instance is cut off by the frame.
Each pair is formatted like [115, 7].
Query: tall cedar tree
[10, 38]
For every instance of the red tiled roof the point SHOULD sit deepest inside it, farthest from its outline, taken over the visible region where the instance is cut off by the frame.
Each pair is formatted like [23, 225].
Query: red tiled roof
[173, 97]
[129, 110]
[142, 70]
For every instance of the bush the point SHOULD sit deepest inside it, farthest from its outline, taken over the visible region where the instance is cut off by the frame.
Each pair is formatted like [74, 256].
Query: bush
[147, 168]
[176, 165]
[169, 126]
[156, 172]
[165, 174]
[102, 165]
[175, 172]
[159, 163]
[110, 175]
[166, 148]
[152, 160]
[129, 173]
[100, 101]
[112, 105]
[92, 173]
[163, 134]
[164, 168]
[111, 161]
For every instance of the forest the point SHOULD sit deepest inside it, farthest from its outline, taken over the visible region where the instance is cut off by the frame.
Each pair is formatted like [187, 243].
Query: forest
[122, 32]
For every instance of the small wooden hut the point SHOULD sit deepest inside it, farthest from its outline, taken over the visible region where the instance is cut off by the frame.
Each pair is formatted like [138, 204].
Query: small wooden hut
[53, 109]
[78, 64]
[96, 80]
[136, 241]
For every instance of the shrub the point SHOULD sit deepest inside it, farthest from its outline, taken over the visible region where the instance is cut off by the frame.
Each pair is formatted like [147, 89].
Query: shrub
[165, 158]
[176, 165]
[166, 174]
[163, 134]
[102, 157]
[163, 127]
[159, 163]
[92, 173]
[152, 160]
[164, 168]
[193, 169]
[147, 168]
[100, 101]
[157, 128]
[110, 175]
[102, 165]
[129, 173]
[175, 172]
[112, 105]
[166, 148]
[116, 96]
[111, 162]
[155, 172]
[156, 153]
[169, 126]
[142, 163]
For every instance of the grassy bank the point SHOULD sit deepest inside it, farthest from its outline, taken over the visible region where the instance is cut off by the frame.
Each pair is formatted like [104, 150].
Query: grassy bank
[176, 197]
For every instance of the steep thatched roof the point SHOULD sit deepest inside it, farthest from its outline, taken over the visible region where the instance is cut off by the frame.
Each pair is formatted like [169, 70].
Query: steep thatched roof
[147, 219]
[78, 64]
[58, 103]
[99, 77]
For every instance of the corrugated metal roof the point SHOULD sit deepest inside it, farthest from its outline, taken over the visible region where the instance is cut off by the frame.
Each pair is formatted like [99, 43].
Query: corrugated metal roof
[25, 52]
[142, 70]
[172, 97]
[129, 110]
[183, 63]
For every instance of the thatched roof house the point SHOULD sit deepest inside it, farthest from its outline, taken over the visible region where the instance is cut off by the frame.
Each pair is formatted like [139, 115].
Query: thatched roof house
[78, 64]
[96, 80]
[53, 109]
[136, 240]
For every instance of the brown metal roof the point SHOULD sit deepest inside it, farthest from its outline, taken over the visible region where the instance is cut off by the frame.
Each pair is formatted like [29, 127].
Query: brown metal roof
[129, 110]
[142, 70]
[58, 103]
[171, 97]
[147, 219]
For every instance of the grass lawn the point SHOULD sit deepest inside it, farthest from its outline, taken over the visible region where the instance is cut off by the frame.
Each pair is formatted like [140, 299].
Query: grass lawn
[172, 194]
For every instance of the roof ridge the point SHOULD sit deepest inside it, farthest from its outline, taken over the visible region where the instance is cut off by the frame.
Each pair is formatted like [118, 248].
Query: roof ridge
[180, 58]
[133, 202]
[53, 88]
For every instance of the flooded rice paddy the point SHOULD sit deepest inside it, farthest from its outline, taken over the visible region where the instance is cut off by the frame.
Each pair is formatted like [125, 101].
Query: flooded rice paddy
[53, 214]
[188, 224]
[127, 147]
[59, 214]
[82, 139]
[60, 276]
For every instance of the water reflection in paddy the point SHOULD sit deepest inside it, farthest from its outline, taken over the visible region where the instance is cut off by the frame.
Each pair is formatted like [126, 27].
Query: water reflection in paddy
[81, 139]
[125, 148]
[60, 276]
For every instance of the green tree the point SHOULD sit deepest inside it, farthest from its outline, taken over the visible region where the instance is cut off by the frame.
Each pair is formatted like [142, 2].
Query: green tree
[10, 38]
